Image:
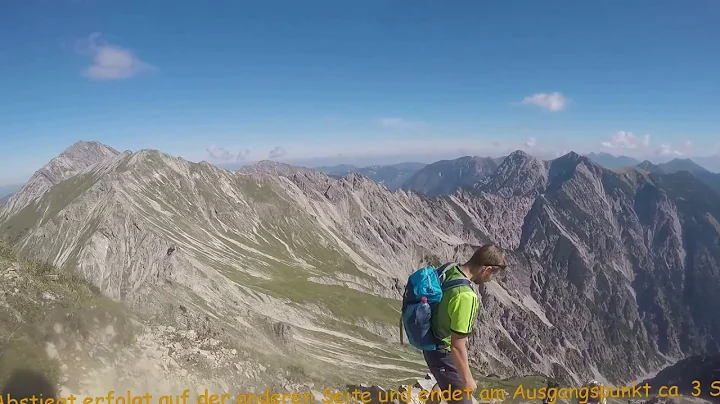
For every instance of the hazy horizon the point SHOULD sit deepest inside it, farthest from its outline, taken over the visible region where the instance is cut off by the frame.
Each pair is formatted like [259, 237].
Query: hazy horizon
[366, 161]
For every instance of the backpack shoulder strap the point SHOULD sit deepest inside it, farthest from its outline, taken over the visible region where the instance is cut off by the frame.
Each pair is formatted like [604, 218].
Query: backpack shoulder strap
[446, 285]
[455, 283]
[442, 270]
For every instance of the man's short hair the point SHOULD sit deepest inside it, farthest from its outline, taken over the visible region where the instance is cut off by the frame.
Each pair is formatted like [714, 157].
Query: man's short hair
[488, 255]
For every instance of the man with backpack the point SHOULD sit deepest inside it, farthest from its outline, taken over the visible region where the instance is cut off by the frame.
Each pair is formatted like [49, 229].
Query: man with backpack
[446, 294]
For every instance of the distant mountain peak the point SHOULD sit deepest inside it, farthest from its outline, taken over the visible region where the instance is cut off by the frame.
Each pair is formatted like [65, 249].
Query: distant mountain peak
[89, 144]
[572, 155]
[608, 160]
[392, 176]
[682, 164]
[575, 159]
[648, 165]
[519, 174]
[73, 160]
[272, 167]
[687, 161]
[519, 154]
[446, 176]
[268, 164]
[519, 157]
[86, 150]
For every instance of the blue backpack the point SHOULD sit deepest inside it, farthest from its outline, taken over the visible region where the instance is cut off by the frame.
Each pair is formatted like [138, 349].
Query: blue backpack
[425, 283]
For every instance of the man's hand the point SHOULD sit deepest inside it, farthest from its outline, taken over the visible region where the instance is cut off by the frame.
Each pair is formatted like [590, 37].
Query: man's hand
[470, 384]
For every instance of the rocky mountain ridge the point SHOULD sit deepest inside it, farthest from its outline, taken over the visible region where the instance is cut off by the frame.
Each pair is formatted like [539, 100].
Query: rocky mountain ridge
[677, 165]
[393, 176]
[611, 273]
[446, 176]
[611, 161]
[72, 161]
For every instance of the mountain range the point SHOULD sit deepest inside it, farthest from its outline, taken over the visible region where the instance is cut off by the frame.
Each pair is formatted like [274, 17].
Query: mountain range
[677, 165]
[613, 273]
[393, 176]
[611, 161]
[711, 163]
[446, 176]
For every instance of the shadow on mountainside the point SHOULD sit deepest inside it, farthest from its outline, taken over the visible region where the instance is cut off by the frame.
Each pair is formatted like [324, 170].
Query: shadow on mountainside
[692, 375]
[24, 384]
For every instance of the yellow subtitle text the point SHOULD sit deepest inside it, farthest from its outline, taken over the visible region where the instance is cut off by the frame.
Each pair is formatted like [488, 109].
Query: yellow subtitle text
[551, 395]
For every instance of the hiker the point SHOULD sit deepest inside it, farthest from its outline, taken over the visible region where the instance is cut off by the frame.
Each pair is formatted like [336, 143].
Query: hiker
[595, 396]
[452, 316]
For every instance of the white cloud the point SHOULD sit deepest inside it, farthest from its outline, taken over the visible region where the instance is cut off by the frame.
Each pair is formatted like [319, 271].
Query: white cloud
[552, 102]
[398, 123]
[640, 146]
[110, 62]
[218, 153]
[277, 152]
[441, 147]
[436, 148]
[667, 150]
[627, 140]
[242, 154]
[221, 154]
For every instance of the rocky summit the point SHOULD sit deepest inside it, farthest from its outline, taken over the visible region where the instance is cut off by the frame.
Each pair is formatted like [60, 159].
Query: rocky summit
[282, 276]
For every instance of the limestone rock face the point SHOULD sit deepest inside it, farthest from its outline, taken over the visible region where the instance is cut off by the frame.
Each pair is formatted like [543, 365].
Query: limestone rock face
[612, 275]
[72, 161]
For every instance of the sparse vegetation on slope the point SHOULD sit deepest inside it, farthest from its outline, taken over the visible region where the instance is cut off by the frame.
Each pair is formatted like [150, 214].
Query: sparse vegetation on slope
[41, 305]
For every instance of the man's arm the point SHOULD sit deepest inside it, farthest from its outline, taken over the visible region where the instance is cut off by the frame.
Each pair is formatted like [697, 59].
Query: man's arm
[460, 357]
[463, 310]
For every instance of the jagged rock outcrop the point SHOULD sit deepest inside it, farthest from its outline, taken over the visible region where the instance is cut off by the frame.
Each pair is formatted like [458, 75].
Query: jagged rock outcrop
[611, 274]
[520, 174]
[650, 167]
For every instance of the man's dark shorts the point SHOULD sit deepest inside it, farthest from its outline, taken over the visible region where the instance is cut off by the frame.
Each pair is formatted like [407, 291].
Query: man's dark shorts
[446, 374]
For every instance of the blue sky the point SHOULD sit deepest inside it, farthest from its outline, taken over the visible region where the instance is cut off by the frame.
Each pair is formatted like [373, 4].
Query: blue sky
[359, 80]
